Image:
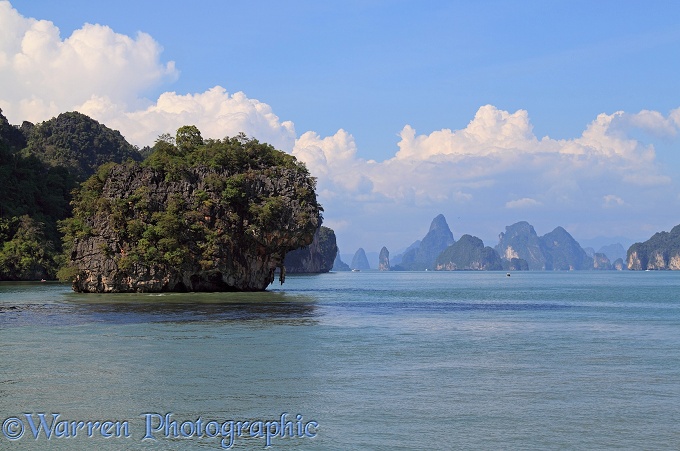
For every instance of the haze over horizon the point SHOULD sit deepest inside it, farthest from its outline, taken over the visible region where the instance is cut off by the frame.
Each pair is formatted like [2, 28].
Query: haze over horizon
[555, 113]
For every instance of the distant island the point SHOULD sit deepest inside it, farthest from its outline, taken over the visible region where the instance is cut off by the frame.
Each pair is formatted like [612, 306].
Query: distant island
[520, 249]
[661, 251]
[318, 257]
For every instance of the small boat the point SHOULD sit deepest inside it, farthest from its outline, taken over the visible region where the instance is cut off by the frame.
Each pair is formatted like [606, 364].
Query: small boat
[356, 270]
[507, 275]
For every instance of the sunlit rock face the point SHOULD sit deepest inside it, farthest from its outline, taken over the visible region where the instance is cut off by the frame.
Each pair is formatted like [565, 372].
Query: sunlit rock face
[661, 251]
[384, 260]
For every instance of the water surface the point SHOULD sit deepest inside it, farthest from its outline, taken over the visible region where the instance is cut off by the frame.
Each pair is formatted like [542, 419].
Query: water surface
[430, 360]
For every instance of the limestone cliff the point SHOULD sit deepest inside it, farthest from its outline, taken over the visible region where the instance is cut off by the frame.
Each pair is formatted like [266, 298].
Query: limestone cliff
[600, 261]
[554, 251]
[521, 241]
[613, 251]
[217, 216]
[338, 264]
[384, 260]
[515, 264]
[318, 257]
[563, 253]
[661, 251]
[359, 261]
[423, 256]
[468, 253]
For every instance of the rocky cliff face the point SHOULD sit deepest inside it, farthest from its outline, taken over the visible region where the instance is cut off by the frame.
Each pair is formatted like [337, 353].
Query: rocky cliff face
[515, 264]
[563, 253]
[384, 260]
[554, 251]
[468, 253]
[318, 257]
[359, 261]
[338, 264]
[191, 227]
[423, 256]
[521, 241]
[600, 261]
[619, 264]
[661, 251]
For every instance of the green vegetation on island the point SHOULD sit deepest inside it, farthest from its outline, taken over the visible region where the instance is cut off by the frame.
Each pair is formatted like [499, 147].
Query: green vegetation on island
[203, 207]
[661, 251]
[39, 167]
[468, 253]
[78, 143]
[196, 215]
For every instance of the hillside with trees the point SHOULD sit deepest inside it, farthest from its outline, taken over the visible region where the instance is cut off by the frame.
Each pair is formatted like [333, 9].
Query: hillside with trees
[39, 167]
[661, 251]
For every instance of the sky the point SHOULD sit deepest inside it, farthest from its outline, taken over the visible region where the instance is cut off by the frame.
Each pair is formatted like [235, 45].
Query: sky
[559, 113]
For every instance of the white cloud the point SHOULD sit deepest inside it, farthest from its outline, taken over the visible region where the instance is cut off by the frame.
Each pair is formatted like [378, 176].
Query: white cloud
[649, 121]
[215, 112]
[491, 132]
[496, 163]
[497, 148]
[104, 74]
[525, 202]
[333, 160]
[43, 75]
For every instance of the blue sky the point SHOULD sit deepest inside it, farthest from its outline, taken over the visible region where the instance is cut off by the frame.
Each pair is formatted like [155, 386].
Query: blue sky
[558, 113]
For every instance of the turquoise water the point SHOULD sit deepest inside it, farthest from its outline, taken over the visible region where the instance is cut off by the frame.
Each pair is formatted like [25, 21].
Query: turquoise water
[369, 360]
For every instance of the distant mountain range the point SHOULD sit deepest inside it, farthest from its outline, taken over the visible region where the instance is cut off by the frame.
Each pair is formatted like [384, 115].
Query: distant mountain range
[557, 250]
[423, 256]
[519, 248]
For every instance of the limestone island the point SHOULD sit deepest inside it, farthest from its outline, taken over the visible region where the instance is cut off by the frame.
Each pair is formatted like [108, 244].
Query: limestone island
[196, 215]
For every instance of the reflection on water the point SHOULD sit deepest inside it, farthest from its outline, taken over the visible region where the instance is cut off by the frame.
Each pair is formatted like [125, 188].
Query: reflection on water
[67, 308]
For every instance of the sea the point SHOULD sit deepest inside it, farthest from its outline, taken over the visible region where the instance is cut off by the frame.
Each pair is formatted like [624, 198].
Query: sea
[348, 361]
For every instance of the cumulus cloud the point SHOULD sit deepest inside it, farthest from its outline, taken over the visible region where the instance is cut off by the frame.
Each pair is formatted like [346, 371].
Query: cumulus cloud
[105, 74]
[333, 160]
[649, 121]
[215, 112]
[497, 148]
[491, 132]
[42, 74]
[497, 163]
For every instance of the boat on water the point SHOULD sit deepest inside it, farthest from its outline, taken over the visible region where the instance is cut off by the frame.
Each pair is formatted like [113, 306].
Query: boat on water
[356, 270]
